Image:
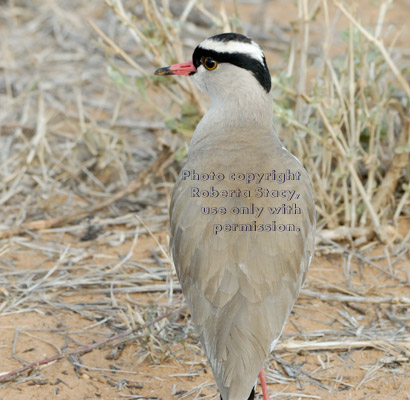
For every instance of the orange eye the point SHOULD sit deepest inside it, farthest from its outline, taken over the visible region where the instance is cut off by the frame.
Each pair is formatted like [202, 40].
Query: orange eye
[209, 63]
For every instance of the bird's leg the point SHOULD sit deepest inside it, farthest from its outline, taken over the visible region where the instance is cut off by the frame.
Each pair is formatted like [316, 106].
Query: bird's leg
[263, 384]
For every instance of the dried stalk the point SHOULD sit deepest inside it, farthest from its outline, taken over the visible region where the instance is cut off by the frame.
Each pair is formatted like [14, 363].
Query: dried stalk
[295, 346]
[399, 300]
[85, 349]
[400, 160]
[143, 179]
[379, 44]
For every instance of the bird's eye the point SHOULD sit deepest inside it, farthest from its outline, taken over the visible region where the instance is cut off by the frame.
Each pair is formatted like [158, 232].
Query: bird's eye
[209, 63]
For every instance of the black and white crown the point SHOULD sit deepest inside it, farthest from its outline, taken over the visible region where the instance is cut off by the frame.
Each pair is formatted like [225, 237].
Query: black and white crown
[238, 50]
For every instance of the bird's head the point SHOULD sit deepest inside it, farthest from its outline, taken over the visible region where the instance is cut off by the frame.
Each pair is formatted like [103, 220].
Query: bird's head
[226, 65]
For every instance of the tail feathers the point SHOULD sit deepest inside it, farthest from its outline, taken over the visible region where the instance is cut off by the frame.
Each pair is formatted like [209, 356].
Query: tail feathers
[251, 396]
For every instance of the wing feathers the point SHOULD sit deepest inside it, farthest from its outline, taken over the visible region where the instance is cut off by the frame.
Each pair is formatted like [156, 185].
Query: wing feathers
[240, 286]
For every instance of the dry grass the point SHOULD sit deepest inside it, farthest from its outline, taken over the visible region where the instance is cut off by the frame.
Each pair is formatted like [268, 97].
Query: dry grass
[86, 177]
[344, 113]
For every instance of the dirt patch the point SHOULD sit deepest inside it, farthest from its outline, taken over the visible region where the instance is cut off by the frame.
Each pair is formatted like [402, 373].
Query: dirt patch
[356, 337]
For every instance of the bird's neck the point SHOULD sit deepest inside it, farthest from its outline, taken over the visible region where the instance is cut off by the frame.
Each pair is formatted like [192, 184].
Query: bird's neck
[243, 118]
[248, 109]
[241, 104]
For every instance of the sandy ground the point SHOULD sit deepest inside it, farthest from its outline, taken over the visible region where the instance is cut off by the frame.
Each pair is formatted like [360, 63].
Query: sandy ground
[347, 337]
[377, 369]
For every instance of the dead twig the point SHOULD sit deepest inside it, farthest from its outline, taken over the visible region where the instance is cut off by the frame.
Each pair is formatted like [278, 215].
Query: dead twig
[379, 44]
[400, 161]
[143, 179]
[357, 299]
[295, 346]
[85, 349]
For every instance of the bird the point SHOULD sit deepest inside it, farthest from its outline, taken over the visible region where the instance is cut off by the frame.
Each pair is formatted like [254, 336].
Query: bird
[242, 215]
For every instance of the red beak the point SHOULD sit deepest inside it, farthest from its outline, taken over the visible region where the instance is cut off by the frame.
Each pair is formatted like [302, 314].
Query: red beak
[186, 68]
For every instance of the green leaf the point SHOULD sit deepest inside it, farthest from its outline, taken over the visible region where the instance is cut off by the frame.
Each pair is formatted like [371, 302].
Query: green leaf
[402, 149]
[188, 109]
[181, 153]
[185, 130]
[360, 208]
[117, 77]
[171, 124]
[189, 119]
[140, 84]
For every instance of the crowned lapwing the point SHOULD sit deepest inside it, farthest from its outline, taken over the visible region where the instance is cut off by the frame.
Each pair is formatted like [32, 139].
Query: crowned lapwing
[242, 215]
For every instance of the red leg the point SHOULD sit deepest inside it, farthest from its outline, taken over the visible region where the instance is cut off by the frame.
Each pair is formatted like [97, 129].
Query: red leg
[263, 384]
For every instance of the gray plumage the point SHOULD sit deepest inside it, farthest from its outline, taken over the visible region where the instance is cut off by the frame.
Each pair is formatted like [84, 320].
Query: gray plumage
[240, 286]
